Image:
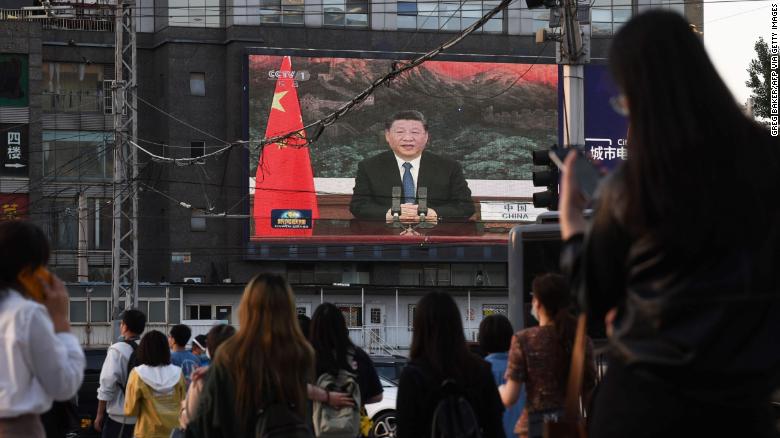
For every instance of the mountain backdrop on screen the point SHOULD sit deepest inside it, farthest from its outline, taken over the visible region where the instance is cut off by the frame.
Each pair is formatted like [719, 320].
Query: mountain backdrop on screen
[488, 116]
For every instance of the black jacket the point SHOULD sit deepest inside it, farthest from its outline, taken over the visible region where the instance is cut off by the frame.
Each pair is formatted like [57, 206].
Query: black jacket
[707, 323]
[448, 193]
[418, 396]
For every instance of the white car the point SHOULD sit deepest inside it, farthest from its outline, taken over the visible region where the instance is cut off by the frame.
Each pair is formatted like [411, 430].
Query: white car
[383, 412]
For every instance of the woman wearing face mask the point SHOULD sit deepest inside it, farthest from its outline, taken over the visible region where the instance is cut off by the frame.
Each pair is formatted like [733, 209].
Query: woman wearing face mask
[539, 358]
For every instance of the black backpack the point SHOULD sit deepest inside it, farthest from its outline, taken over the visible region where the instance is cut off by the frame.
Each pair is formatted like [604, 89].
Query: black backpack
[454, 417]
[132, 362]
[279, 420]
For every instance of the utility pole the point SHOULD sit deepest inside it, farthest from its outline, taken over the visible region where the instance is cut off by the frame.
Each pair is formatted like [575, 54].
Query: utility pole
[124, 241]
[573, 53]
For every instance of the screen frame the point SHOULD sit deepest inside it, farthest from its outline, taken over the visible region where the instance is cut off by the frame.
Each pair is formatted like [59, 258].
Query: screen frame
[414, 248]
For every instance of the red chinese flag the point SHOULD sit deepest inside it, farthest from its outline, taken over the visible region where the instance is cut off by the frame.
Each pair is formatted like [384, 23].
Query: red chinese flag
[285, 203]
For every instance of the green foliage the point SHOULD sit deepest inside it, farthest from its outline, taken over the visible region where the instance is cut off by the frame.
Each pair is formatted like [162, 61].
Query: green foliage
[502, 158]
[759, 71]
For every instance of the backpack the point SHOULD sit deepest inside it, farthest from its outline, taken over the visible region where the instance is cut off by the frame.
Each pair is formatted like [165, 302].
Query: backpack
[279, 420]
[454, 417]
[330, 422]
[132, 362]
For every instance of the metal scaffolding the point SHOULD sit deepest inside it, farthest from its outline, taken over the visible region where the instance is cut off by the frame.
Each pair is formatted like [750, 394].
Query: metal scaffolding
[124, 242]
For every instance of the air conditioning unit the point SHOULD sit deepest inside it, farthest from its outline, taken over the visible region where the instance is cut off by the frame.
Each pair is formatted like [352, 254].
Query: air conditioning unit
[193, 279]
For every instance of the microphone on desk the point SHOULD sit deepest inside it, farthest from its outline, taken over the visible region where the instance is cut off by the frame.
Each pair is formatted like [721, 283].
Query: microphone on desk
[395, 207]
[422, 206]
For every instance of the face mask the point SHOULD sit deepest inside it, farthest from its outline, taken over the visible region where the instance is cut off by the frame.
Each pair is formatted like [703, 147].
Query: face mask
[534, 313]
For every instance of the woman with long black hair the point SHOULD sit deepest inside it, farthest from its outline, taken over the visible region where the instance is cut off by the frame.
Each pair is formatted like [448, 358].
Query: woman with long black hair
[696, 290]
[334, 351]
[438, 354]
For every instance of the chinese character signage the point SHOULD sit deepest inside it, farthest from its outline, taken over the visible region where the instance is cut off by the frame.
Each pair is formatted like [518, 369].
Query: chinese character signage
[14, 80]
[13, 206]
[13, 150]
[605, 130]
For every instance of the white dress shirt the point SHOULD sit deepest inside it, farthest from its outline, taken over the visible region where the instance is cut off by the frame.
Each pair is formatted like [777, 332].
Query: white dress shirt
[415, 168]
[37, 365]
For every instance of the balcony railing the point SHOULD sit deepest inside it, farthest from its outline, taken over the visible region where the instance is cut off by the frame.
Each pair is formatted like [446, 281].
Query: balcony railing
[94, 19]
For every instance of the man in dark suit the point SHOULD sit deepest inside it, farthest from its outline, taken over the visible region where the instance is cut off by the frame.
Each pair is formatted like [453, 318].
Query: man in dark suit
[409, 166]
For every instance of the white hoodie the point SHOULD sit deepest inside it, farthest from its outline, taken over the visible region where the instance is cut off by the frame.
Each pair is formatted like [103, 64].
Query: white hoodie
[160, 379]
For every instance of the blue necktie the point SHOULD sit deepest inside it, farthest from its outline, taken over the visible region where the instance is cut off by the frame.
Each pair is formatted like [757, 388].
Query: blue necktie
[409, 195]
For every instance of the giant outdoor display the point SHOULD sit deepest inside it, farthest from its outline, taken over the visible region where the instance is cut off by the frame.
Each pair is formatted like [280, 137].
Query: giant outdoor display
[472, 180]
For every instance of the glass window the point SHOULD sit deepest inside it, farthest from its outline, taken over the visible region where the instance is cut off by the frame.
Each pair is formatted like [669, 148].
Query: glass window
[345, 13]
[198, 84]
[78, 311]
[194, 13]
[70, 87]
[376, 315]
[291, 12]
[78, 154]
[199, 311]
[192, 311]
[100, 222]
[62, 224]
[608, 15]
[197, 149]
[353, 314]
[174, 316]
[447, 15]
[98, 310]
[156, 311]
[197, 223]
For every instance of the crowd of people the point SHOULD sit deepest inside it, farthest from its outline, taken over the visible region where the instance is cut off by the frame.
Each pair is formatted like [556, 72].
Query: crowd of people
[689, 300]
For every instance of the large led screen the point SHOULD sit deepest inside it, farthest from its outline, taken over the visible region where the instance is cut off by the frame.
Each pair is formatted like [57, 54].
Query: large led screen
[467, 129]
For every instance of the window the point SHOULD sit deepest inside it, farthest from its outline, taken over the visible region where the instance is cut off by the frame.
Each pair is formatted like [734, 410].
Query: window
[224, 313]
[78, 310]
[437, 275]
[198, 84]
[197, 223]
[282, 11]
[174, 303]
[540, 18]
[154, 310]
[447, 15]
[194, 13]
[78, 154]
[608, 15]
[376, 315]
[70, 87]
[353, 314]
[197, 149]
[674, 5]
[199, 311]
[100, 222]
[62, 224]
[108, 97]
[350, 13]
[410, 274]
